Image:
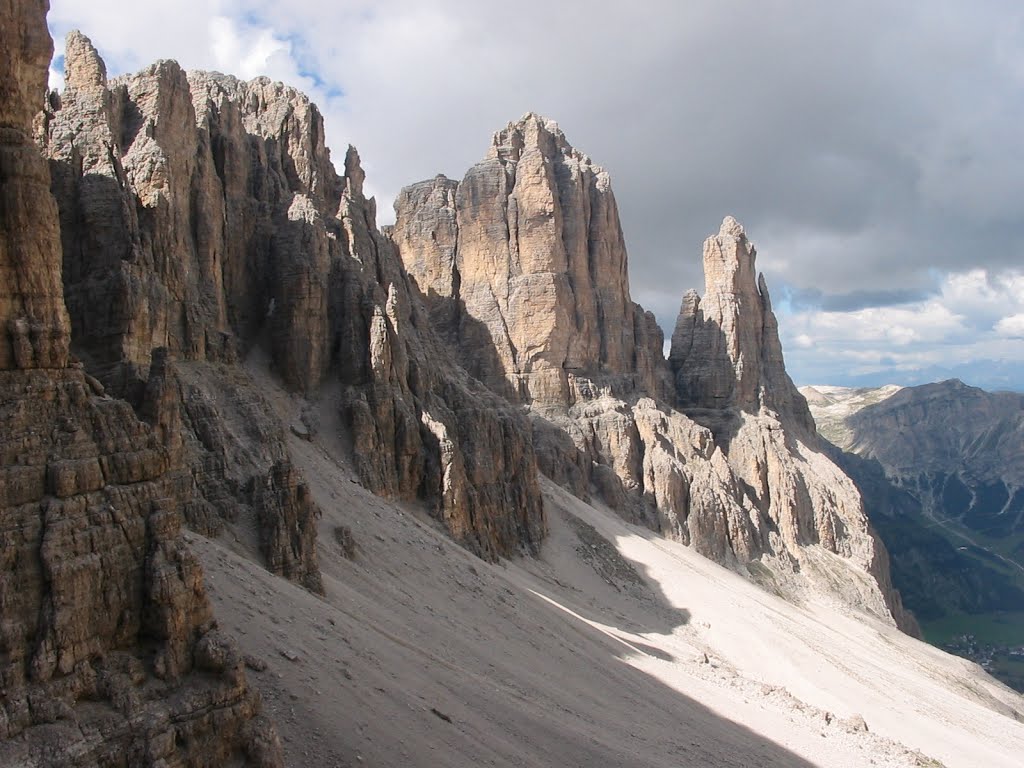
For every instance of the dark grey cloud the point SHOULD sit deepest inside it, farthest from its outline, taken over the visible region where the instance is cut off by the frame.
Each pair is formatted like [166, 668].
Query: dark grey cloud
[814, 298]
[870, 148]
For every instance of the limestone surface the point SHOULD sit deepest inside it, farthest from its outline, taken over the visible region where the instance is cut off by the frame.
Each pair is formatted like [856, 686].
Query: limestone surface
[522, 267]
[106, 638]
[204, 216]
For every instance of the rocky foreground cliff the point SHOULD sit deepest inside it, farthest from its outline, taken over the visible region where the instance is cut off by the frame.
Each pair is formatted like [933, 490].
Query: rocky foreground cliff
[109, 654]
[185, 227]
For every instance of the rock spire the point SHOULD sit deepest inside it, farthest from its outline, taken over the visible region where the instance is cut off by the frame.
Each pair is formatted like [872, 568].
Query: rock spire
[725, 351]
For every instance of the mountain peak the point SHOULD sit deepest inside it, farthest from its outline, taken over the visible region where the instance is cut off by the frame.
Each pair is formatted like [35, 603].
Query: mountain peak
[726, 351]
[731, 228]
[530, 132]
[83, 67]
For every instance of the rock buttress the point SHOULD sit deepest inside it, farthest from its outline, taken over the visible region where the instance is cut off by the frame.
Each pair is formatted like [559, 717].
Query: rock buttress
[206, 214]
[106, 637]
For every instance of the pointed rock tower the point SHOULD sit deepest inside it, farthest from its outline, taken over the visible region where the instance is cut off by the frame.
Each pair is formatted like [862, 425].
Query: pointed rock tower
[725, 353]
[522, 266]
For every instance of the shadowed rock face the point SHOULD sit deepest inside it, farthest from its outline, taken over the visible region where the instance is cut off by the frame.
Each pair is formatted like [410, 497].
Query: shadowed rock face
[186, 206]
[34, 327]
[108, 654]
[203, 216]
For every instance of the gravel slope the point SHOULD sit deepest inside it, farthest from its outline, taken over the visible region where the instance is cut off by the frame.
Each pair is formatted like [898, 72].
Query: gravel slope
[613, 648]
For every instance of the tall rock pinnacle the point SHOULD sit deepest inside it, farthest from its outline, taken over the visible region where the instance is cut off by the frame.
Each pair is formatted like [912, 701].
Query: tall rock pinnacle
[725, 348]
[522, 267]
[524, 264]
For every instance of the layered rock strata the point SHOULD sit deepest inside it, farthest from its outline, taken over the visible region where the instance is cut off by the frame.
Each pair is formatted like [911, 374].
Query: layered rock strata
[108, 651]
[34, 326]
[523, 265]
[206, 214]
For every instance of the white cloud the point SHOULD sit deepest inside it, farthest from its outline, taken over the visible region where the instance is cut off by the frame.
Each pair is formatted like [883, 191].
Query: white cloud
[55, 81]
[975, 317]
[1011, 327]
[925, 322]
[784, 132]
[247, 53]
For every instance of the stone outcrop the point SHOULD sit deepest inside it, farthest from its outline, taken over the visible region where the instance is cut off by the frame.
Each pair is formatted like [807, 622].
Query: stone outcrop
[34, 327]
[422, 426]
[725, 350]
[105, 613]
[184, 203]
[727, 363]
[206, 214]
[522, 267]
[523, 264]
[106, 635]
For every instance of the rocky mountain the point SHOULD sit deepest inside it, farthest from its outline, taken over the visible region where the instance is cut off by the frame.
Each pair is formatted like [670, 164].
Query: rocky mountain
[206, 214]
[109, 654]
[956, 448]
[831, 406]
[939, 469]
[205, 328]
[522, 267]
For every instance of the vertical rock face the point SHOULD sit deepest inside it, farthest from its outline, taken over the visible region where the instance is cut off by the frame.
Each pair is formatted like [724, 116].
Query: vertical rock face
[34, 327]
[189, 224]
[185, 215]
[422, 426]
[106, 628]
[725, 348]
[523, 263]
[522, 266]
[729, 374]
[205, 213]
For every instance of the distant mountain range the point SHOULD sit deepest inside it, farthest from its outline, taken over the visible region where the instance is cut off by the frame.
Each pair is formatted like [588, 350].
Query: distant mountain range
[941, 470]
[990, 375]
[958, 448]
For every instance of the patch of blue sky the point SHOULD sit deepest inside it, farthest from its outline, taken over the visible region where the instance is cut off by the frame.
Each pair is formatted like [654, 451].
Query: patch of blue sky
[309, 66]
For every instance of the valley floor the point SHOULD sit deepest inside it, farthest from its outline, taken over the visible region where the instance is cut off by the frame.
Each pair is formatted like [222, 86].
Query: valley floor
[613, 648]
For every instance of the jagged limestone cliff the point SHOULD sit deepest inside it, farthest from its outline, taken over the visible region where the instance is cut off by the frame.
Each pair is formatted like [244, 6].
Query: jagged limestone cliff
[204, 215]
[490, 334]
[523, 268]
[109, 655]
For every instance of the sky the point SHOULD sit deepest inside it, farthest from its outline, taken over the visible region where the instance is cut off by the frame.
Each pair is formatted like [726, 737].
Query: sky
[873, 151]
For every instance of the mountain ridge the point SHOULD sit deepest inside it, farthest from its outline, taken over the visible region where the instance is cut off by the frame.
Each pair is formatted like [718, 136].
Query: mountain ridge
[250, 352]
[938, 465]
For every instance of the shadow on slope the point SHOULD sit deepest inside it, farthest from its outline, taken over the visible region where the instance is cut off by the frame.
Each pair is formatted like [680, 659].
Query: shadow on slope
[432, 656]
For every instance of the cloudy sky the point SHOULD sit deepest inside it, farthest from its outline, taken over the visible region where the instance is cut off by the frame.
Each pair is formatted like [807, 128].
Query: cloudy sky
[874, 151]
